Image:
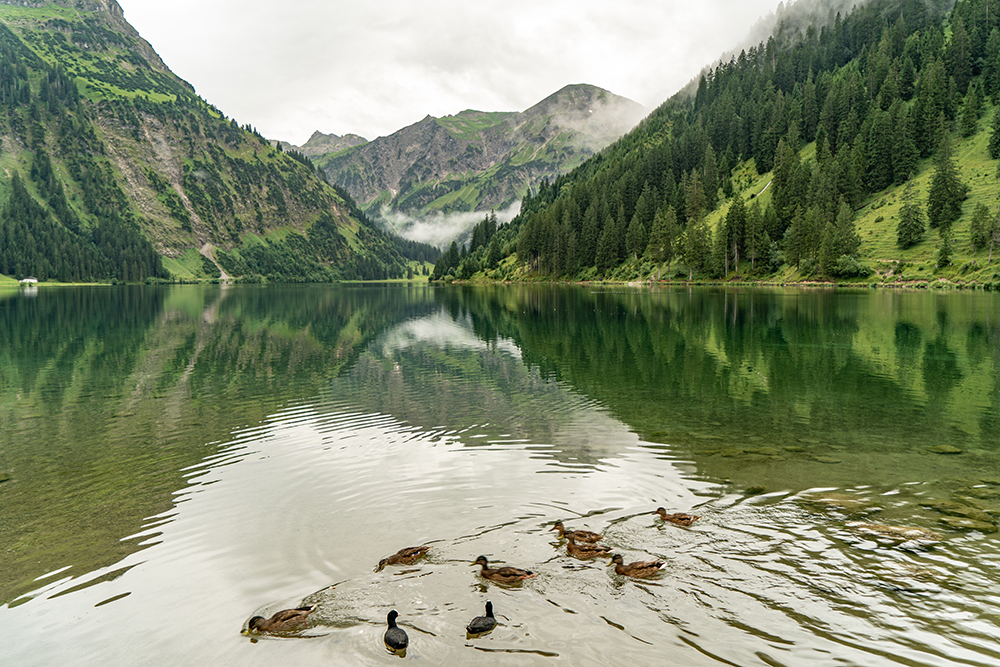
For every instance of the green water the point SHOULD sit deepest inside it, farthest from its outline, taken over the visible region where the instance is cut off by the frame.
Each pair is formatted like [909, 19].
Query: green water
[174, 460]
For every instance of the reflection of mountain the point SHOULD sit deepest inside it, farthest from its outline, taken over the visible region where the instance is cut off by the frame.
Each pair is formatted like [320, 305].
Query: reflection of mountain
[740, 377]
[436, 374]
[106, 395]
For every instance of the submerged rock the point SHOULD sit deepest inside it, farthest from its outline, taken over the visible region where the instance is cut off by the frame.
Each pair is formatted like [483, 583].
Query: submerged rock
[944, 449]
[962, 523]
[826, 459]
[754, 490]
[952, 508]
[896, 533]
[842, 501]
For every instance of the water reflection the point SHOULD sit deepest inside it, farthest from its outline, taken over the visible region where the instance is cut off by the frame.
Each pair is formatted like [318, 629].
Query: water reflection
[282, 441]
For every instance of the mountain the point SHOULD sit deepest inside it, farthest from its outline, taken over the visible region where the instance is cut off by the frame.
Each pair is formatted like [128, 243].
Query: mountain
[320, 144]
[858, 147]
[477, 160]
[112, 168]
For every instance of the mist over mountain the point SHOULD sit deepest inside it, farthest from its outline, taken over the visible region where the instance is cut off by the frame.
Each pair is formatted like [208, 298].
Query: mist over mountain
[478, 160]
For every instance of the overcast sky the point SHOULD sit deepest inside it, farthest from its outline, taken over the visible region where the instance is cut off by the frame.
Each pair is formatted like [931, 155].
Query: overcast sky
[371, 67]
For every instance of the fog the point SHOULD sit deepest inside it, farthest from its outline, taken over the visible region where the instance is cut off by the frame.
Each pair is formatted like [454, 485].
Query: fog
[440, 229]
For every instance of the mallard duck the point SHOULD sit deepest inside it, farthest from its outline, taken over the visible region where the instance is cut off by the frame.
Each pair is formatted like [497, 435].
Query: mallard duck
[642, 568]
[678, 518]
[579, 535]
[504, 575]
[406, 556]
[395, 638]
[283, 621]
[482, 624]
[585, 550]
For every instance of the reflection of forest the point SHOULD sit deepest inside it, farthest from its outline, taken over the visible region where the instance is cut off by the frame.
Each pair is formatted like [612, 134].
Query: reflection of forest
[107, 394]
[744, 374]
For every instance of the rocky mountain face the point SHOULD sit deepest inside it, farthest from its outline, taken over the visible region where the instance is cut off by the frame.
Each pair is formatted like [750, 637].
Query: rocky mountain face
[479, 160]
[320, 144]
[104, 151]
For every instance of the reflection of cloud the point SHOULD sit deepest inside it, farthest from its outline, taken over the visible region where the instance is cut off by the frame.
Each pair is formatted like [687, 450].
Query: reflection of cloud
[440, 229]
[440, 330]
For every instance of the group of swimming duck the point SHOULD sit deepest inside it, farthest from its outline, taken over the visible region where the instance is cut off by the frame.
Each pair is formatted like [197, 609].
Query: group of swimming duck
[580, 543]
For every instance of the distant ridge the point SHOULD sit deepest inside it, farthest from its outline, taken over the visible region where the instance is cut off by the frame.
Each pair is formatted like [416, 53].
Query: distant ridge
[475, 160]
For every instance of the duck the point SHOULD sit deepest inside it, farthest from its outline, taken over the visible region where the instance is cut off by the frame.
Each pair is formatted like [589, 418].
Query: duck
[503, 575]
[579, 535]
[585, 550]
[480, 625]
[285, 620]
[679, 518]
[395, 638]
[406, 556]
[642, 568]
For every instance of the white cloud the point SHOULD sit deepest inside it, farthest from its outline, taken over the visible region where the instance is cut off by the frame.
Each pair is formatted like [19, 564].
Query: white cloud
[371, 68]
[440, 229]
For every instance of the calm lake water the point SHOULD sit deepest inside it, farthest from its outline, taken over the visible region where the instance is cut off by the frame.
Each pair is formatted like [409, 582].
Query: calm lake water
[176, 460]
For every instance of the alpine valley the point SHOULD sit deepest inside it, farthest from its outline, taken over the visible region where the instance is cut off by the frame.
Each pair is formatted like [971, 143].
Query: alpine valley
[113, 169]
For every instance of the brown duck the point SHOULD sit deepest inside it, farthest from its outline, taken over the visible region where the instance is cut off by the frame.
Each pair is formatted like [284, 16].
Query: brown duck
[285, 620]
[503, 575]
[578, 535]
[679, 518]
[585, 550]
[642, 568]
[406, 556]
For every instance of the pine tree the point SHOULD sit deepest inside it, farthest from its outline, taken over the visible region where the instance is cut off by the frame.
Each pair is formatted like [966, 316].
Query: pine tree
[995, 136]
[979, 228]
[944, 200]
[969, 122]
[697, 245]
[736, 224]
[661, 239]
[944, 250]
[756, 237]
[910, 228]
[635, 238]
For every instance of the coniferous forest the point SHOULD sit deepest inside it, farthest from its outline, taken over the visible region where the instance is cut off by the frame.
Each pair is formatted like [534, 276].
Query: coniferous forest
[833, 116]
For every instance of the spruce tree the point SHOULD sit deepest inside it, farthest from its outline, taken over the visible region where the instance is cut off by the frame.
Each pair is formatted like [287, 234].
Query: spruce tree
[995, 136]
[635, 237]
[979, 228]
[944, 200]
[661, 238]
[910, 228]
[944, 250]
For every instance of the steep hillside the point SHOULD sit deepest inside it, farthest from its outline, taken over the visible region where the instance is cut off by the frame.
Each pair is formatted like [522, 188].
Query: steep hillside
[479, 160]
[855, 147]
[112, 168]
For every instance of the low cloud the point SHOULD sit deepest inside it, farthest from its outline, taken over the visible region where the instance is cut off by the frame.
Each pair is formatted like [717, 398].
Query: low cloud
[440, 229]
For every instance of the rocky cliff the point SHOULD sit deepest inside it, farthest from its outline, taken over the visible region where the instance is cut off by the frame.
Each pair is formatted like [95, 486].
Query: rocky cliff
[479, 160]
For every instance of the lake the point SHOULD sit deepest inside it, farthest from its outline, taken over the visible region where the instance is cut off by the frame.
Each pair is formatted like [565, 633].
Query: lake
[175, 460]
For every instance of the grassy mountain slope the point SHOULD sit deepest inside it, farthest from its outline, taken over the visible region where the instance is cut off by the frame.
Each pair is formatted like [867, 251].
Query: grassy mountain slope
[479, 160]
[108, 156]
[791, 162]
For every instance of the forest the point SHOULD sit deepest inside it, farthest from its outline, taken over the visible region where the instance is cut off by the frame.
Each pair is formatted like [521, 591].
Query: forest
[828, 118]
